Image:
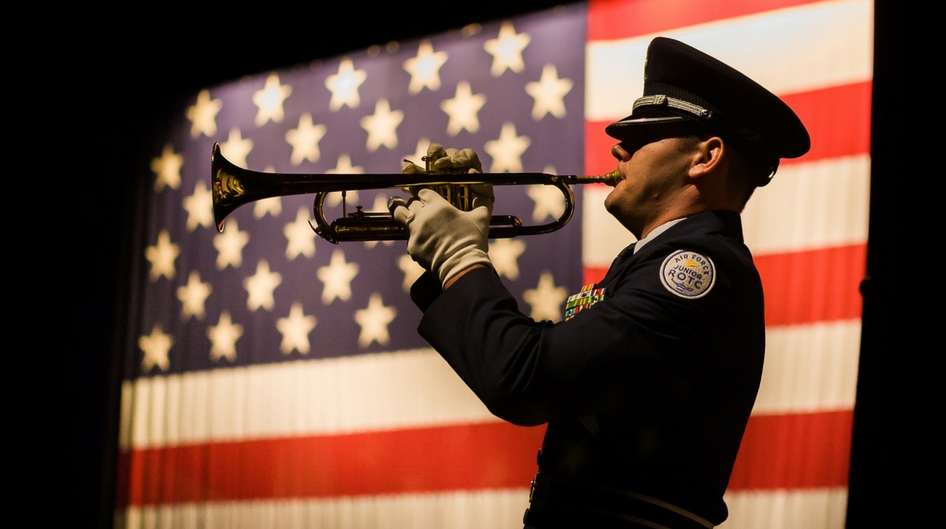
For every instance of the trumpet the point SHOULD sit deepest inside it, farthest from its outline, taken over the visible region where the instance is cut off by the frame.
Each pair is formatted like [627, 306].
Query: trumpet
[235, 186]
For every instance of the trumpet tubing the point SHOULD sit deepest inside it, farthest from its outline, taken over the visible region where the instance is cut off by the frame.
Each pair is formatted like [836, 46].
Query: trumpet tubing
[235, 186]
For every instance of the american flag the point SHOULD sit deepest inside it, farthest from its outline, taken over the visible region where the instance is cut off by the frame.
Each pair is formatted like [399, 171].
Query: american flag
[277, 380]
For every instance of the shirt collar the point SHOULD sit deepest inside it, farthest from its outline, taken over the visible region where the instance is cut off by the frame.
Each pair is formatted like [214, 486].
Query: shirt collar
[655, 232]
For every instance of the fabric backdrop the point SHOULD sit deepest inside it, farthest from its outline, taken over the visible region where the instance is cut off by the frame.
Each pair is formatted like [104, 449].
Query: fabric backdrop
[277, 380]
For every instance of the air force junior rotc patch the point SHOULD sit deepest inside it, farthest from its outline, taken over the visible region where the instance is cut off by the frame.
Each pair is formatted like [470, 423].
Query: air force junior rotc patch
[688, 274]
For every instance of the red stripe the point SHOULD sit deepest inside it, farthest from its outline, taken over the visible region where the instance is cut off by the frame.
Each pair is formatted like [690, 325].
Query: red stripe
[465, 457]
[593, 274]
[643, 17]
[804, 450]
[802, 287]
[778, 451]
[837, 118]
[814, 285]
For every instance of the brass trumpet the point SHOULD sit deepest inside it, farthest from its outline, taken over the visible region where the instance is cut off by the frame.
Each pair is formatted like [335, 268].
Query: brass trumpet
[235, 186]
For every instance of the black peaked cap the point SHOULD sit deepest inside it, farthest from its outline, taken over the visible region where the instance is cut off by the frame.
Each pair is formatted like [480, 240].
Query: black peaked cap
[683, 84]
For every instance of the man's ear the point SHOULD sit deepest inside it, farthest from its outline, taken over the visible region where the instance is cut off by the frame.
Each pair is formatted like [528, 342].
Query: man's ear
[707, 156]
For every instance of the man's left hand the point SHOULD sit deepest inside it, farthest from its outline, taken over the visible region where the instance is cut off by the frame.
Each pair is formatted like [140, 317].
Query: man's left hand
[442, 238]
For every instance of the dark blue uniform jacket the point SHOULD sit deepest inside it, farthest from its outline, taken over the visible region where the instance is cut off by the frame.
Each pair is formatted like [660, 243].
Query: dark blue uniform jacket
[645, 391]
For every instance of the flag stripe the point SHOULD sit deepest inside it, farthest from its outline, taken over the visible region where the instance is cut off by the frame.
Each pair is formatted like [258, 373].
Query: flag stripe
[787, 509]
[810, 206]
[794, 51]
[405, 389]
[807, 206]
[404, 460]
[807, 368]
[496, 509]
[811, 286]
[797, 450]
[837, 119]
[805, 286]
[650, 16]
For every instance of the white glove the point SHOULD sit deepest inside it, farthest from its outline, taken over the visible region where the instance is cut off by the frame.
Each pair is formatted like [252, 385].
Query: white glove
[443, 239]
[446, 161]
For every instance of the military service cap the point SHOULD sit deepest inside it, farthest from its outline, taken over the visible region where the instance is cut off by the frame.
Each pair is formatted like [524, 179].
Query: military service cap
[683, 86]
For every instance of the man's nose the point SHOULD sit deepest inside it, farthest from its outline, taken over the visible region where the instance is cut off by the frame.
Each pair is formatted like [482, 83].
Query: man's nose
[620, 153]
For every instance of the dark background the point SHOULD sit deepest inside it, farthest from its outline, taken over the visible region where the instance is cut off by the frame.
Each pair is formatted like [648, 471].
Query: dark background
[133, 77]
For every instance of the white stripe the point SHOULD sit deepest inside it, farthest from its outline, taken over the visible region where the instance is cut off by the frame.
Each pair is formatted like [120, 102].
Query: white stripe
[315, 397]
[808, 509]
[809, 368]
[781, 509]
[812, 205]
[787, 51]
[457, 510]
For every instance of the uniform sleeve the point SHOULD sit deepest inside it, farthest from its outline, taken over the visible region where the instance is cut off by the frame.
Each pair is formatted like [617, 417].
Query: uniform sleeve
[630, 345]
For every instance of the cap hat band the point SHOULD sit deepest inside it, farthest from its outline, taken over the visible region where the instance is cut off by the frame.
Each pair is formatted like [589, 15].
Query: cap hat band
[662, 100]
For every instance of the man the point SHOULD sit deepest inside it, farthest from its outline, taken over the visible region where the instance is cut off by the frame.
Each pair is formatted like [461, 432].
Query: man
[647, 385]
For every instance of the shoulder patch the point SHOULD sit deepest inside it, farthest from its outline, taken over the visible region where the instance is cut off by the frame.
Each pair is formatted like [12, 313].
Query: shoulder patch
[688, 274]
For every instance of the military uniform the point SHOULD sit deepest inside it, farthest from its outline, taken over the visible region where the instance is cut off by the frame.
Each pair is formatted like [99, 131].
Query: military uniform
[648, 385]
[646, 392]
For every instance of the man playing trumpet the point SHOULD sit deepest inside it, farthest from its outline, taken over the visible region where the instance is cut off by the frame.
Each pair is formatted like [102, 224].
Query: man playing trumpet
[648, 384]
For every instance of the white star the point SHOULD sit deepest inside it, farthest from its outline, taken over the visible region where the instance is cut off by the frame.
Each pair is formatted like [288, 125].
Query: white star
[300, 236]
[162, 256]
[236, 148]
[549, 93]
[192, 296]
[382, 126]
[412, 271]
[203, 115]
[155, 347]
[295, 330]
[260, 286]
[229, 245]
[507, 150]
[305, 140]
[425, 68]
[167, 169]
[548, 202]
[546, 299]
[344, 85]
[270, 99]
[504, 254]
[272, 205]
[337, 278]
[199, 207]
[462, 110]
[507, 50]
[223, 337]
[374, 321]
[343, 166]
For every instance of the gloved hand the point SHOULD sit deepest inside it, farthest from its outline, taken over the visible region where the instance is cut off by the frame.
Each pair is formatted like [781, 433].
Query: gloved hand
[446, 161]
[442, 238]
